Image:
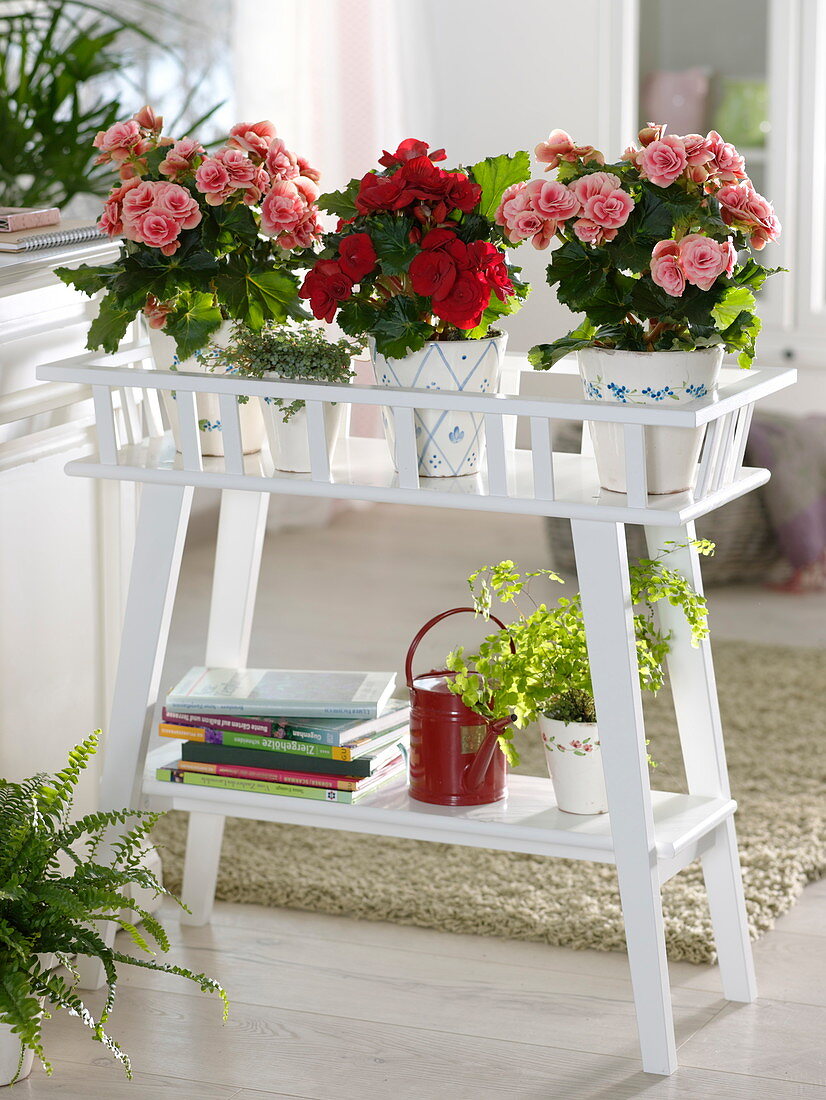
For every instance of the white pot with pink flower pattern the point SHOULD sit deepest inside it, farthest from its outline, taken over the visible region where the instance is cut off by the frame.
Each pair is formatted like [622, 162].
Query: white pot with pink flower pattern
[574, 759]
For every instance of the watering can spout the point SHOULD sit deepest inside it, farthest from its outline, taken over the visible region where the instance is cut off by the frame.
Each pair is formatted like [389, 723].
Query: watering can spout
[475, 771]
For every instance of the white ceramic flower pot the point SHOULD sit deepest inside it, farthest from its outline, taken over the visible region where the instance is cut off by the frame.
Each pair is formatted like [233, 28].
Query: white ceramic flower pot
[665, 379]
[289, 440]
[209, 410]
[574, 761]
[10, 1062]
[449, 443]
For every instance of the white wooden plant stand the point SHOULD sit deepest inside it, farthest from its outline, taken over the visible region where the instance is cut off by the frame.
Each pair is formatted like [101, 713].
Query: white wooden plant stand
[650, 836]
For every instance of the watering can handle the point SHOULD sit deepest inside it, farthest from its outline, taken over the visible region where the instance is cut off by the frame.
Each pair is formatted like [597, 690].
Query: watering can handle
[408, 664]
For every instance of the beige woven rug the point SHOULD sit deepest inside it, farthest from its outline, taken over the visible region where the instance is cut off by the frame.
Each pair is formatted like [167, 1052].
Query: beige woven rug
[773, 701]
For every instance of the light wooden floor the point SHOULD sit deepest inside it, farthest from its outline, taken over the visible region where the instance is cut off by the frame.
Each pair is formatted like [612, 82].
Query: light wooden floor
[335, 1009]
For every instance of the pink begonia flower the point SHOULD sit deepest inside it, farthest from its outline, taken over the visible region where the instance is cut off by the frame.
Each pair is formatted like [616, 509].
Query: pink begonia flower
[666, 271]
[591, 233]
[136, 202]
[118, 141]
[553, 200]
[111, 220]
[525, 224]
[631, 154]
[307, 187]
[282, 209]
[611, 210]
[697, 149]
[663, 161]
[156, 312]
[306, 169]
[281, 163]
[159, 231]
[702, 260]
[730, 257]
[252, 137]
[597, 183]
[147, 118]
[304, 234]
[178, 203]
[212, 180]
[181, 157]
[559, 146]
[242, 171]
[727, 163]
[545, 235]
[741, 204]
[255, 191]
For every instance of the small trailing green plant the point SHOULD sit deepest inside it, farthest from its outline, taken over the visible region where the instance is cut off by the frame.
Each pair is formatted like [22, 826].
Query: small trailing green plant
[301, 352]
[538, 664]
[55, 882]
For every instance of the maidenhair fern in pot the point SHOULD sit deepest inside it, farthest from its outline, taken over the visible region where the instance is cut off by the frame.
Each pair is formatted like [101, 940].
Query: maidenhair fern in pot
[655, 250]
[208, 238]
[537, 667]
[417, 264]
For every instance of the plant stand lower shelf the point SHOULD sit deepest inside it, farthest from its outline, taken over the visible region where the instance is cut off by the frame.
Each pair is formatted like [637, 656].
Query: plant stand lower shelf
[649, 836]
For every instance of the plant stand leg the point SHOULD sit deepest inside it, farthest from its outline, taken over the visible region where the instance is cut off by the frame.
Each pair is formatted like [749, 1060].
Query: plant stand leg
[602, 568]
[694, 688]
[241, 532]
[156, 563]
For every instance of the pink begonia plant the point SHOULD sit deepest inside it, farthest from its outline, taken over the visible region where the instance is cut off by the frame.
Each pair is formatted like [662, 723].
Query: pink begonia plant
[652, 249]
[228, 229]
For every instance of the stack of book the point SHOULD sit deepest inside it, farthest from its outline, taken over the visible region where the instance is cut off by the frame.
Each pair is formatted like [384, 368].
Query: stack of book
[331, 736]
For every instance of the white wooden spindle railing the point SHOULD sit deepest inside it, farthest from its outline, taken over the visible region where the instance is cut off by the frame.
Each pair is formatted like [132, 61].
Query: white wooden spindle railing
[537, 480]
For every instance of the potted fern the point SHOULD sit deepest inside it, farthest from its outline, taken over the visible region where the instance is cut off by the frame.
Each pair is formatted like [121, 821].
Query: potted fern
[537, 667]
[55, 883]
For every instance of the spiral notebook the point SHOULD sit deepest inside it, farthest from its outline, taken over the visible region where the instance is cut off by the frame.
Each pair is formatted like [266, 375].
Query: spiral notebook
[70, 231]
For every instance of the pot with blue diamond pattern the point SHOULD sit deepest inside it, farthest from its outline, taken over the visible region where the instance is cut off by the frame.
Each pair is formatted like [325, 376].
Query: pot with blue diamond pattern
[449, 443]
[664, 379]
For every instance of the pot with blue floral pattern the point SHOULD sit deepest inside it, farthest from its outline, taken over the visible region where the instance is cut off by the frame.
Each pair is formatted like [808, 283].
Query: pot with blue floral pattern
[449, 443]
[208, 359]
[663, 379]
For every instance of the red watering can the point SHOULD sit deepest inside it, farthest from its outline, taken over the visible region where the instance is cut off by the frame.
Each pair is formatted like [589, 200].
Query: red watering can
[454, 756]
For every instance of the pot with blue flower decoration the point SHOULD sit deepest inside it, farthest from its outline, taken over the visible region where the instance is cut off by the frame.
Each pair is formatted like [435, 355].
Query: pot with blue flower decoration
[449, 443]
[208, 359]
[662, 379]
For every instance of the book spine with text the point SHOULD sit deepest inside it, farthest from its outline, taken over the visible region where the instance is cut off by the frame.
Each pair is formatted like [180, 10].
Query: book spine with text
[263, 727]
[232, 739]
[271, 775]
[254, 786]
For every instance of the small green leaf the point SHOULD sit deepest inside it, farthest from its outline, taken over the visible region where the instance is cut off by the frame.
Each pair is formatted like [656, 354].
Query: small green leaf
[391, 240]
[109, 327]
[341, 203]
[193, 321]
[495, 174]
[399, 329]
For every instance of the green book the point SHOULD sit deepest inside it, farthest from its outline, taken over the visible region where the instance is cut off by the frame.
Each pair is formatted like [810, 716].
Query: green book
[267, 758]
[259, 786]
[362, 746]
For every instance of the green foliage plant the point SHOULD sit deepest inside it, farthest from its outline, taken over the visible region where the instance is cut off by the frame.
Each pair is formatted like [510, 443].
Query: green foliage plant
[301, 352]
[538, 664]
[417, 254]
[54, 65]
[657, 250]
[59, 877]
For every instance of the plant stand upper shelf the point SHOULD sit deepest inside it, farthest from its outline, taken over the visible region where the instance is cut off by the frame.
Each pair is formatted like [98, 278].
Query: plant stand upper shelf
[648, 835]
